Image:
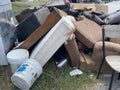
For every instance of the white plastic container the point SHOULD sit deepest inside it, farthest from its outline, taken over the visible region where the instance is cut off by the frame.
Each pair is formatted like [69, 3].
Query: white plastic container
[25, 76]
[16, 58]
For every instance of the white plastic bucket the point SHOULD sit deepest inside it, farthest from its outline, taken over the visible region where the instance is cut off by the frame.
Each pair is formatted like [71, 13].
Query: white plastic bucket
[16, 58]
[26, 74]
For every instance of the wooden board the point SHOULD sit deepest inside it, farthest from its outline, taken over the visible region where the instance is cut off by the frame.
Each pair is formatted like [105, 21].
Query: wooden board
[51, 20]
[86, 62]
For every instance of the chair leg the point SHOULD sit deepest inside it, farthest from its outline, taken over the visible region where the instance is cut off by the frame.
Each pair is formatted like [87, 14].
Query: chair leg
[103, 58]
[99, 71]
[111, 81]
[118, 76]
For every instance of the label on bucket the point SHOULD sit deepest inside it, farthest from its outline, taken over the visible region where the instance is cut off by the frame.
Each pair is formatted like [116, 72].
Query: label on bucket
[24, 68]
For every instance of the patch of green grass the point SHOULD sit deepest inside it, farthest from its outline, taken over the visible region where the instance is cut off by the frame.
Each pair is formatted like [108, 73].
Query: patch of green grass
[5, 82]
[59, 79]
[52, 78]
[19, 6]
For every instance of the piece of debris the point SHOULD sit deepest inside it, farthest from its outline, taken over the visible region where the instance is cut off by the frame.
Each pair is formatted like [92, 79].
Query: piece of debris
[31, 23]
[61, 63]
[91, 76]
[73, 52]
[76, 72]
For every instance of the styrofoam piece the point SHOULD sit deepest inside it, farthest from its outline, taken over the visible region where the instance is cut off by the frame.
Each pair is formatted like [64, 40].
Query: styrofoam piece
[53, 40]
[16, 58]
[76, 72]
[26, 75]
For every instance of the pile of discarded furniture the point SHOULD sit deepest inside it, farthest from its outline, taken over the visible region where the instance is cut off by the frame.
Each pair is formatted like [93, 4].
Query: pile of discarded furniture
[67, 31]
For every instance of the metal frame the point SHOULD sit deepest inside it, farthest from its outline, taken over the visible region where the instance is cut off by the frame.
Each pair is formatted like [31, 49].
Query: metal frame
[103, 58]
[111, 81]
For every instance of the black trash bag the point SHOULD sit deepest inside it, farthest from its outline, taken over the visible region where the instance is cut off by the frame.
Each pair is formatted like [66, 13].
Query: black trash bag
[114, 18]
[98, 20]
[94, 18]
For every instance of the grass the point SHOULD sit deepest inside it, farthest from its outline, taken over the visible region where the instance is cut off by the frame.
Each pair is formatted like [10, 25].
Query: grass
[59, 79]
[19, 6]
[52, 77]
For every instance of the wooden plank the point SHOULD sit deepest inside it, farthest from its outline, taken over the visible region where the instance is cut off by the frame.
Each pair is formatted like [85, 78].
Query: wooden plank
[86, 57]
[53, 41]
[73, 52]
[86, 62]
[51, 20]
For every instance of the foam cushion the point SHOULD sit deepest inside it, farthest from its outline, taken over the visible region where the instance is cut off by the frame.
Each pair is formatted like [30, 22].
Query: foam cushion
[88, 32]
